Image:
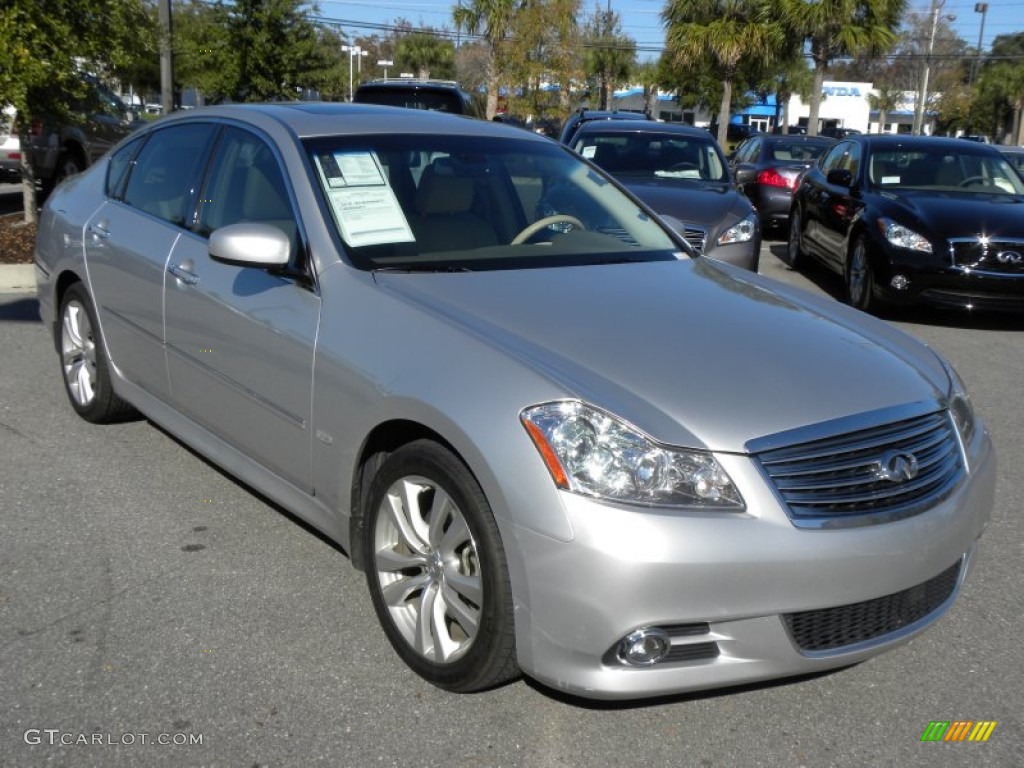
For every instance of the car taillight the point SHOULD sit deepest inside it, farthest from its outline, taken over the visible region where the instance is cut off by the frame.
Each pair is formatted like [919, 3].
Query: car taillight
[772, 178]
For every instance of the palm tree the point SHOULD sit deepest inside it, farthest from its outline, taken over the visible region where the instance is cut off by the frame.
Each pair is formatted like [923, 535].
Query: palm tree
[493, 19]
[425, 53]
[885, 101]
[726, 33]
[836, 28]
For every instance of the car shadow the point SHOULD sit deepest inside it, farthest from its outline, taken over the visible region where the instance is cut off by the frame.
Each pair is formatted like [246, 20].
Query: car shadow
[284, 511]
[17, 308]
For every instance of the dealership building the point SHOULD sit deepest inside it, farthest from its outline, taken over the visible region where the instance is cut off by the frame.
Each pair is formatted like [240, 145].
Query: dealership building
[844, 105]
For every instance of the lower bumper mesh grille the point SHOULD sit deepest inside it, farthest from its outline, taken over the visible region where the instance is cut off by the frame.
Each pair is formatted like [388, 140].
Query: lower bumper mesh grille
[831, 628]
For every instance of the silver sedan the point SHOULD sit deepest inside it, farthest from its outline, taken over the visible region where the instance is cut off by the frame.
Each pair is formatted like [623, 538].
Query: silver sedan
[555, 440]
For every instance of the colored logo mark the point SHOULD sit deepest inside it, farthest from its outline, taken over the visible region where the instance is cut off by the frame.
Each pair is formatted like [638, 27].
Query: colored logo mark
[958, 730]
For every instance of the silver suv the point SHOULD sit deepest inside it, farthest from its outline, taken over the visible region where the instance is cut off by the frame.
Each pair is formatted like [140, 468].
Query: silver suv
[61, 149]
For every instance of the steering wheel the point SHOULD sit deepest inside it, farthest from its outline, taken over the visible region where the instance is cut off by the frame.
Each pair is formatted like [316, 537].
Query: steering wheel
[684, 166]
[971, 180]
[547, 221]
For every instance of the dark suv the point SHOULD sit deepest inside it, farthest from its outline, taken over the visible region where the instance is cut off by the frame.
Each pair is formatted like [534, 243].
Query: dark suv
[436, 95]
[582, 116]
[61, 149]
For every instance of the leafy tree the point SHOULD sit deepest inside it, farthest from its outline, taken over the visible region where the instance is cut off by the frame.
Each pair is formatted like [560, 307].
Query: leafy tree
[471, 65]
[204, 54]
[546, 60]
[276, 46]
[837, 28]
[727, 34]
[43, 42]
[1000, 88]
[610, 55]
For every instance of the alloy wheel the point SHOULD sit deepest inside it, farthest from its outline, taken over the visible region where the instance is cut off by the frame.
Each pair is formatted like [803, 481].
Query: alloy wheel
[428, 569]
[78, 353]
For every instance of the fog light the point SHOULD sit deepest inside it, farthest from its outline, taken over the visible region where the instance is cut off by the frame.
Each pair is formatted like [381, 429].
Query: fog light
[900, 282]
[645, 647]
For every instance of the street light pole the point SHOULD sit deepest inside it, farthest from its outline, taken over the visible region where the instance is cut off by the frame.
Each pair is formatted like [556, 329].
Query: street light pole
[981, 8]
[354, 52]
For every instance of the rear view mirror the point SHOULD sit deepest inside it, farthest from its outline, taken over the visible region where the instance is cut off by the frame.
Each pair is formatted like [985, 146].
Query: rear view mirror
[840, 177]
[250, 244]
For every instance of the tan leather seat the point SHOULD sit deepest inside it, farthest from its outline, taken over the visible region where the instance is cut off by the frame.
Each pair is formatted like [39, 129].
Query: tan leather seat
[444, 218]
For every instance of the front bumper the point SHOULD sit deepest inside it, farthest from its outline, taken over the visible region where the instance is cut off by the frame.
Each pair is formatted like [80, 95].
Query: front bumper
[952, 287]
[740, 574]
[744, 255]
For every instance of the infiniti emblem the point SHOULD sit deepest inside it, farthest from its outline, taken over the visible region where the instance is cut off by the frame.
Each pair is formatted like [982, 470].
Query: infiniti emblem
[1009, 257]
[896, 467]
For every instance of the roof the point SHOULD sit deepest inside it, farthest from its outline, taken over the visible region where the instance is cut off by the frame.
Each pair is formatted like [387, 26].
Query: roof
[308, 119]
[889, 141]
[640, 126]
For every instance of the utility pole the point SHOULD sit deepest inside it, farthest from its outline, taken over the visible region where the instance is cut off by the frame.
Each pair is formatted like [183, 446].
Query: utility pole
[166, 57]
[981, 8]
[922, 95]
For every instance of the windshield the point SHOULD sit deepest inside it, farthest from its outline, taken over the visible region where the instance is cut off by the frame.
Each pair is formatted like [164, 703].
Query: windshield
[944, 170]
[412, 98]
[801, 152]
[663, 155]
[425, 202]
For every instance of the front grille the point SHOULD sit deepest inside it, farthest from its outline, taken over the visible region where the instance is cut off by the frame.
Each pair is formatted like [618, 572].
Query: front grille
[694, 236]
[895, 470]
[693, 652]
[832, 628]
[1004, 256]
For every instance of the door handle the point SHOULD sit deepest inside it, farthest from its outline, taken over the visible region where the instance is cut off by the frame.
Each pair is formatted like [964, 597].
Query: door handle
[99, 230]
[183, 274]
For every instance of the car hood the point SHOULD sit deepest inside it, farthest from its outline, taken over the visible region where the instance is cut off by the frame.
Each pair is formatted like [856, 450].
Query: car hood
[961, 215]
[695, 353]
[691, 202]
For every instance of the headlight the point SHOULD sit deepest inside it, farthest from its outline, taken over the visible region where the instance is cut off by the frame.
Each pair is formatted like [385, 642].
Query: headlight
[903, 237]
[960, 407]
[740, 232]
[596, 454]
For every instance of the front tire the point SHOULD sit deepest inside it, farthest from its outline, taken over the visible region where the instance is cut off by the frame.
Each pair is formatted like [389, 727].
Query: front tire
[437, 571]
[860, 277]
[84, 364]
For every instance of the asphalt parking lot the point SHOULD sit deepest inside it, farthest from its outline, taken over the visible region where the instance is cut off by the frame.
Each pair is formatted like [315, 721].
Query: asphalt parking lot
[155, 612]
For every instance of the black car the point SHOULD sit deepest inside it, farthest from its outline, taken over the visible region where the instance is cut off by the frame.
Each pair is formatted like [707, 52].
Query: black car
[436, 95]
[582, 116]
[681, 174]
[914, 219]
[767, 168]
[1016, 157]
[836, 132]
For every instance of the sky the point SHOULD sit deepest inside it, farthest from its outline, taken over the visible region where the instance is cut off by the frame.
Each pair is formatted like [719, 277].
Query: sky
[641, 20]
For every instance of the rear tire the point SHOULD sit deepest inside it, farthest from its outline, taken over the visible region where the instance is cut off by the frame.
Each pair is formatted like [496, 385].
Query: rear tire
[437, 571]
[794, 245]
[68, 165]
[84, 364]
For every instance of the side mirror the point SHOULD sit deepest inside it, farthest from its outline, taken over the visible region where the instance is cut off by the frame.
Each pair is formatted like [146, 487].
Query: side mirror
[250, 244]
[840, 177]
